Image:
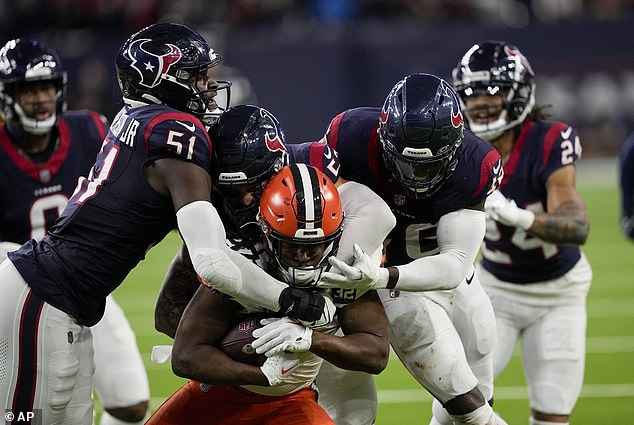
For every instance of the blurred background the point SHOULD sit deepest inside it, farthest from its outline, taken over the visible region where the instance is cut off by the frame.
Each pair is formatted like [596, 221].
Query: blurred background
[307, 60]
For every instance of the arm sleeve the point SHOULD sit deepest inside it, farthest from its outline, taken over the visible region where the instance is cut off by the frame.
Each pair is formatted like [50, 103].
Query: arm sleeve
[363, 210]
[201, 227]
[460, 234]
[258, 287]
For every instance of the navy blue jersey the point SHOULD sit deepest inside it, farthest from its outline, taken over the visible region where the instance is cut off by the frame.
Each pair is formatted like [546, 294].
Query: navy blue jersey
[32, 194]
[317, 154]
[354, 134]
[509, 252]
[114, 216]
[626, 180]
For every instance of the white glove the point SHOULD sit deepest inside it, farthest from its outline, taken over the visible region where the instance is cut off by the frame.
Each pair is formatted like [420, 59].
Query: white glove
[282, 335]
[278, 367]
[504, 210]
[7, 247]
[363, 274]
[217, 270]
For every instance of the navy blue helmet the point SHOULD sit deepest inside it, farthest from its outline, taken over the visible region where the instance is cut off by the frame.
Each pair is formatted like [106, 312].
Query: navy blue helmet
[162, 63]
[496, 68]
[248, 148]
[420, 130]
[24, 61]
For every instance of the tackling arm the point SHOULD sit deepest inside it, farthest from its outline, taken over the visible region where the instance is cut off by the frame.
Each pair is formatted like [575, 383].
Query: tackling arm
[363, 210]
[460, 234]
[178, 288]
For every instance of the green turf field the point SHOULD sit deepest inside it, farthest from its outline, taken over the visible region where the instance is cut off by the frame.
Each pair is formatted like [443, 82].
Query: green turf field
[608, 392]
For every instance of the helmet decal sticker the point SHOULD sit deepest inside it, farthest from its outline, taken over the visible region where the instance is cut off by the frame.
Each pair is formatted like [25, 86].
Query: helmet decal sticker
[153, 66]
[515, 52]
[456, 119]
[384, 114]
[273, 143]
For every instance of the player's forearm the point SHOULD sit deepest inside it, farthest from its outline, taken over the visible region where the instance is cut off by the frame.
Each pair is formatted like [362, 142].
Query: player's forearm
[361, 351]
[166, 318]
[207, 364]
[568, 224]
[459, 234]
[258, 287]
[178, 288]
[437, 272]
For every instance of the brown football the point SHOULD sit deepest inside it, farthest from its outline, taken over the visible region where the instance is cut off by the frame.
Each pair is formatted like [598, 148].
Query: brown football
[236, 343]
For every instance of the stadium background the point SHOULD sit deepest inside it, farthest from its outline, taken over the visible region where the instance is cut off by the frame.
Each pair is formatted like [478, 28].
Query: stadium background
[307, 60]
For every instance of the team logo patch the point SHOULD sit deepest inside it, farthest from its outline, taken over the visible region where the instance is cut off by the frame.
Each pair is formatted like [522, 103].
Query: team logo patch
[151, 66]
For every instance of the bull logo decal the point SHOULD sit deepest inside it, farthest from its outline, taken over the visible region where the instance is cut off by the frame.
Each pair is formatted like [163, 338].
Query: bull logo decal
[384, 115]
[272, 139]
[151, 66]
[456, 119]
[517, 54]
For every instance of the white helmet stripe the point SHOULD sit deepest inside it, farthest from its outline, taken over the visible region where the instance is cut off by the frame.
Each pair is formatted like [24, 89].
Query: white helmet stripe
[309, 196]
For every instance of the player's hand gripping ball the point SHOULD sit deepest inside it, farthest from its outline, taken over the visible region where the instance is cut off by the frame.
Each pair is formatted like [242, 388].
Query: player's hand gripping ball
[236, 343]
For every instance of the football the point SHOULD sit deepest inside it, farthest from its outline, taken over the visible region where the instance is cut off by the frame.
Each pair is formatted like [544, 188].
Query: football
[236, 343]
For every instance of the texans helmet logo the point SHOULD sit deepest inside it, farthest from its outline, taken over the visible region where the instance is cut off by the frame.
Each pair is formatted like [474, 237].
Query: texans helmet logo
[456, 119]
[522, 58]
[151, 66]
[383, 117]
[273, 142]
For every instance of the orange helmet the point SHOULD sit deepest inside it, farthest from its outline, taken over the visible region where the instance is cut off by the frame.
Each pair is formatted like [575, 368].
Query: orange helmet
[302, 220]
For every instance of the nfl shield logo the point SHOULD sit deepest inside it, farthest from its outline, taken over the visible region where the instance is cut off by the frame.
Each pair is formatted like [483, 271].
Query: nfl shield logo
[399, 199]
[45, 176]
[245, 326]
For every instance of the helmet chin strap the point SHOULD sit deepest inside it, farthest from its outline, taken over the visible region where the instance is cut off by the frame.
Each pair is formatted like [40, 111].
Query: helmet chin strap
[33, 126]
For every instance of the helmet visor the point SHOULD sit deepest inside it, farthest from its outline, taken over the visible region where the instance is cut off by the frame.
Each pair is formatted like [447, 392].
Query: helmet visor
[416, 174]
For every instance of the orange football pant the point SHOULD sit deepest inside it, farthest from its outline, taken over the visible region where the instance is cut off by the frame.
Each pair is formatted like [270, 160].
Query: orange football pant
[201, 404]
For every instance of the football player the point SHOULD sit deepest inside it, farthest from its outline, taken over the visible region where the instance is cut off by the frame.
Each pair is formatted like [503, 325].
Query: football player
[626, 185]
[44, 149]
[301, 219]
[150, 176]
[435, 177]
[244, 159]
[531, 267]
